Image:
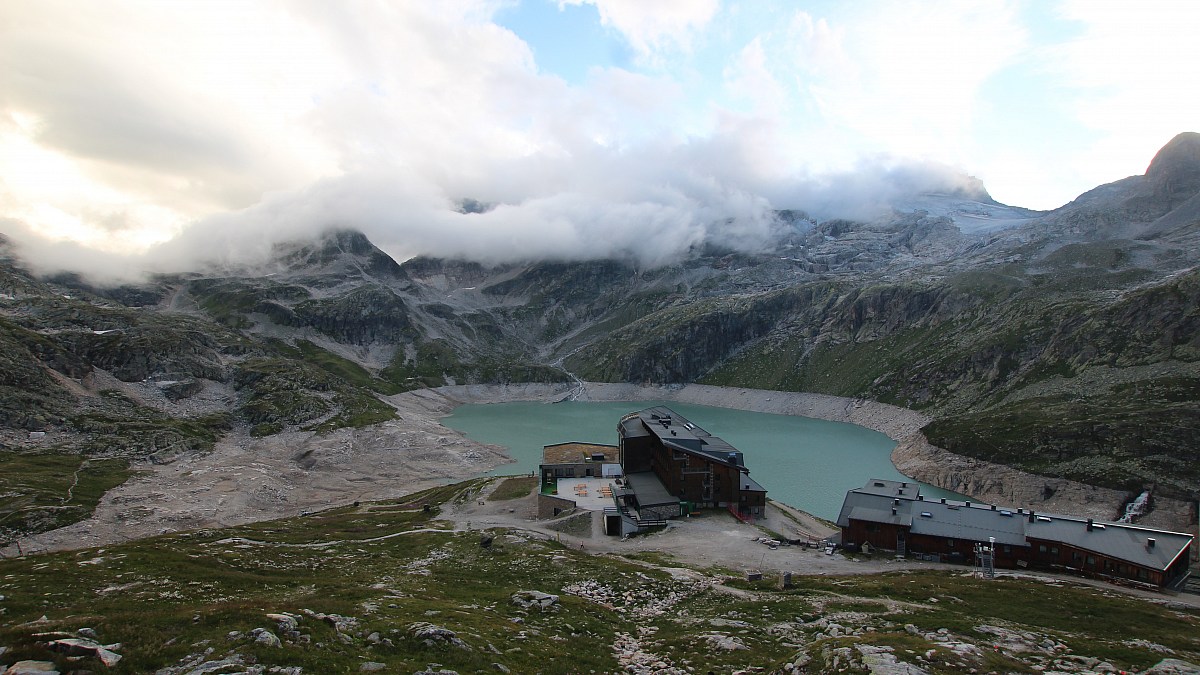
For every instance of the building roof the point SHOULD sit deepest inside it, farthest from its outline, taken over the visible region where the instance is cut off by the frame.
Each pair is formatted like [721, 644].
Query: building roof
[977, 522]
[881, 501]
[676, 432]
[649, 489]
[875, 514]
[891, 488]
[748, 484]
[578, 453]
[1114, 540]
[950, 520]
[631, 426]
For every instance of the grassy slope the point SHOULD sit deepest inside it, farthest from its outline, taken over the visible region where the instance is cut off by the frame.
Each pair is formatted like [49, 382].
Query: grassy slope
[168, 598]
[47, 491]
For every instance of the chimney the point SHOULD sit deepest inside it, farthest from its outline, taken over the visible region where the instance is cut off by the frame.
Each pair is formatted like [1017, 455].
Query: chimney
[967, 504]
[993, 507]
[920, 498]
[1149, 542]
[1089, 525]
[1032, 515]
[1020, 510]
[943, 500]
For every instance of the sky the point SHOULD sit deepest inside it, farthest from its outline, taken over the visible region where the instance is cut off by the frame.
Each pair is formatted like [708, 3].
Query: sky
[150, 135]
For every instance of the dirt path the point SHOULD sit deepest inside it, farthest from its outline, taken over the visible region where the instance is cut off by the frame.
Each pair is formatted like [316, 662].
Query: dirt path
[707, 540]
[715, 540]
[248, 479]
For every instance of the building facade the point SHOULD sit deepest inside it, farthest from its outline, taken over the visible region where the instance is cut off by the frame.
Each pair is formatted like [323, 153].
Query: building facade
[695, 468]
[895, 516]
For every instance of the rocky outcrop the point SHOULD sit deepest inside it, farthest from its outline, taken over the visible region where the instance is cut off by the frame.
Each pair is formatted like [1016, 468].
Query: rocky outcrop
[365, 315]
[917, 458]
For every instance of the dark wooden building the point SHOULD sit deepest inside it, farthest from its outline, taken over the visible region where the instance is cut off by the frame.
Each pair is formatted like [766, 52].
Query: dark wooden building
[895, 516]
[697, 468]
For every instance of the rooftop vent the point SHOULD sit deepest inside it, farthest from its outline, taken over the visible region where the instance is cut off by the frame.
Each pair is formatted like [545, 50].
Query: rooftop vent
[896, 502]
[967, 504]
[1149, 542]
[920, 498]
[993, 507]
[1090, 524]
[879, 484]
[1006, 513]
[894, 513]
[926, 514]
[1044, 519]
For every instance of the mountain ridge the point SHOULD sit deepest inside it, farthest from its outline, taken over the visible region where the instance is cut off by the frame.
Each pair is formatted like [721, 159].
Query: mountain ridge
[988, 330]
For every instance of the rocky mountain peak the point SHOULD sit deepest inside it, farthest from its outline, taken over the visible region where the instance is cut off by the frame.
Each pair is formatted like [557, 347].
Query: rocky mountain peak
[1180, 155]
[341, 252]
[1175, 170]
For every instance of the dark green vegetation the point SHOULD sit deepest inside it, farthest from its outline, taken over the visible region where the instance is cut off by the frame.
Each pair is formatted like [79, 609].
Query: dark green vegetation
[40, 492]
[1101, 389]
[1066, 343]
[514, 488]
[376, 570]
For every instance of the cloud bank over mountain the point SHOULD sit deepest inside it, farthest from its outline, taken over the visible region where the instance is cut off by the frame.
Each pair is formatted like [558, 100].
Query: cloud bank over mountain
[151, 136]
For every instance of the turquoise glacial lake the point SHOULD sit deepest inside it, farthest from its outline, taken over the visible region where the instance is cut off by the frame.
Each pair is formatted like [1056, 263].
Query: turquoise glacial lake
[804, 462]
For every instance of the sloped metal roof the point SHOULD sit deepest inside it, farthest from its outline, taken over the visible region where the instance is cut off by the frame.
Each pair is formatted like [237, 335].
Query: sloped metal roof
[1114, 540]
[649, 489]
[675, 431]
[977, 522]
[750, 484]
[974, 522]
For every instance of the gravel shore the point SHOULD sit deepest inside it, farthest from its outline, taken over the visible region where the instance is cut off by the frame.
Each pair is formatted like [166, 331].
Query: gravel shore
[913, 456]
[248, 479]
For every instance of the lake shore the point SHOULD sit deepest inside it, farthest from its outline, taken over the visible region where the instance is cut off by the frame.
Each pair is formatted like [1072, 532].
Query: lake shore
[913, 456]
[245, 479]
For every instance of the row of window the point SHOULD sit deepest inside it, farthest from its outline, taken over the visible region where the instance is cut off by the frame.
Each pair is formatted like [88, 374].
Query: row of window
[1078, 559]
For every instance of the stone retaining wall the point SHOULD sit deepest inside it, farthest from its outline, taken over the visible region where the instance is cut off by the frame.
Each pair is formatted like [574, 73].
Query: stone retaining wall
[550, 506]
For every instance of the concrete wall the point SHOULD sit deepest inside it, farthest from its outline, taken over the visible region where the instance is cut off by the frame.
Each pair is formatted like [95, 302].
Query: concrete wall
[548, 503]
[578, 524]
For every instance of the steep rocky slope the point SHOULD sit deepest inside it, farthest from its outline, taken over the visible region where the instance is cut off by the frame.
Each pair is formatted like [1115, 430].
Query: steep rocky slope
[1064, 343]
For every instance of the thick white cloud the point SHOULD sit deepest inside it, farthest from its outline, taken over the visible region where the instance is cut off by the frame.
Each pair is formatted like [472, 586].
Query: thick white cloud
[904, 77]
[213, 128]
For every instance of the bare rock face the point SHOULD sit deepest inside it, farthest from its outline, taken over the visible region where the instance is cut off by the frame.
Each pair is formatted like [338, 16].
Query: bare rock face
[1175, 170]
[32, 668]
[1000, 484]
[1150, 204]
[1173, 667]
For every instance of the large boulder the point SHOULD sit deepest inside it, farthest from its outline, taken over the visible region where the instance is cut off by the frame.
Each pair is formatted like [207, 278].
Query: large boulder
[433, 636]
[535, 600]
